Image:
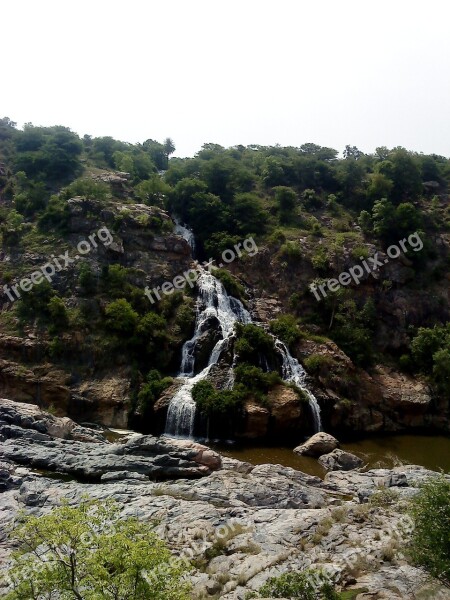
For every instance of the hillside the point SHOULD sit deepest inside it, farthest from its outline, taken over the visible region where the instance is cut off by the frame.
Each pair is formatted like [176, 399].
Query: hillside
[94, 216]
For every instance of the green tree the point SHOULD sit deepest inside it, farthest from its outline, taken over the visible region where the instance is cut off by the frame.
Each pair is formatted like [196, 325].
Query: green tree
[406, 178]
[88, 552]
[430, 542]
[441, 369]
[120, 317]
[169, 147]
[151, 390]
[58, 313]
[286, 198]
[153, 191]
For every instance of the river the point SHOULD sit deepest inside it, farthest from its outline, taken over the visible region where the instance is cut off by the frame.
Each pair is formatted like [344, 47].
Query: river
[432, 452]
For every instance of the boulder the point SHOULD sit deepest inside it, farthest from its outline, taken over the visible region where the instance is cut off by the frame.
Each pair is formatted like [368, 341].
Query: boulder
[339, 460]
[320, 443]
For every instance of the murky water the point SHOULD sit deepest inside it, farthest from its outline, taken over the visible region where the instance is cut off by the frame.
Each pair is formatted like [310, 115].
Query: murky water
[432, 452]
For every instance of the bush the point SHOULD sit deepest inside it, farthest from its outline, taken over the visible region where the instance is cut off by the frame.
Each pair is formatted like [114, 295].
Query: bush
[252, 342]
[89, 551]
[232, 286]
[255, 379]
[55, 216]
[285, 327]
[58, 313]
[86, 279]
[310, 584]
[34, 304]
[430, 543]
[86, 188]
[152, 389]
[290, 250]
[211, 402]
[318, 363]
[120, 317]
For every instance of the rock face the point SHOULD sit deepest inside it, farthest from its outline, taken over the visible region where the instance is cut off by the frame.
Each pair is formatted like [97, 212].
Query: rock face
[318, 444]
[28, 416]
[33, 438]
[240, 524]
[338, 460]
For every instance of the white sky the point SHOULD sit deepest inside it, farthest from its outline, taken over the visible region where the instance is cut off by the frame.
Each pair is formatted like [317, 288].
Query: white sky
[333, 72]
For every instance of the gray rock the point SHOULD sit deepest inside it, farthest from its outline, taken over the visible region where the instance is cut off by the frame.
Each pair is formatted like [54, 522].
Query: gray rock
[339, 460]
[24, 443]
[320, 443]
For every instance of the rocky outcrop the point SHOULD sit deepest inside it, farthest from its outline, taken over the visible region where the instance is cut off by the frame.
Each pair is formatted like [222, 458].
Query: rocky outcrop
[240, 524]
[30, 416]
[318, 444]
[33, 438]
[339, 460]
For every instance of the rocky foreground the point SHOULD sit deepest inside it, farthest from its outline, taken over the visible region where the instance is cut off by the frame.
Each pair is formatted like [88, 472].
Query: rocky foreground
[237, 523]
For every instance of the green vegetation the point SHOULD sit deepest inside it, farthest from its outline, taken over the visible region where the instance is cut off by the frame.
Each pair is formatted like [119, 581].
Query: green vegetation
[151, 390]
[430, 543]
[88, 552]
[311, 213]
[233, 287]
[217, 403]
[286, 328]
[430, 350]
[310, 584]
[252, 341]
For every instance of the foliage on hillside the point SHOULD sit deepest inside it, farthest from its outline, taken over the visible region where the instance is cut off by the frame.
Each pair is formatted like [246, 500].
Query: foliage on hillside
[313, 211]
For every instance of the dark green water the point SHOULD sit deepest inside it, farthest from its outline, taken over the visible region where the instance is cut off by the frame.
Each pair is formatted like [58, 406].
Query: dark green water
[432, 452]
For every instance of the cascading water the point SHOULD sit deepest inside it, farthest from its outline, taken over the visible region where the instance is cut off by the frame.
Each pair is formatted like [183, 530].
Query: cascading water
[293, 372]
[185, 233]
[213, 301]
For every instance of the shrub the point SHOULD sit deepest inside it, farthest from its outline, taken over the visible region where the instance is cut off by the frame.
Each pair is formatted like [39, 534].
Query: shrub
[55, 216]
[34, 304]
[320, 259]
[252, 342]
[212, 402]
[290, 250]
[286, 328]
[120, 317]
[255, 379]
[88, 551]
[86, 188]
[58, 313]
[86, 279]
[318, 363]
[430, 543]
[152, 389]
[232, 286]
[310, 584]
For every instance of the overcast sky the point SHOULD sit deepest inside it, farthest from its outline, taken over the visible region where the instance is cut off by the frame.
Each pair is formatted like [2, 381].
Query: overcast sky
[334, 72]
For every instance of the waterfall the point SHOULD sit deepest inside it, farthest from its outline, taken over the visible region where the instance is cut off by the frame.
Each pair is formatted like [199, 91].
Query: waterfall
[293, 372]
[185, 233]
[212, 301]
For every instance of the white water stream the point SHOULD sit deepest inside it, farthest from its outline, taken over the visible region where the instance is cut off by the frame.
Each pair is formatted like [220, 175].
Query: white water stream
[213, 301]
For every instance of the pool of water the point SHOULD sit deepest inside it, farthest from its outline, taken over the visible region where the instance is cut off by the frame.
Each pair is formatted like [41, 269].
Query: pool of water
[432, 452]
